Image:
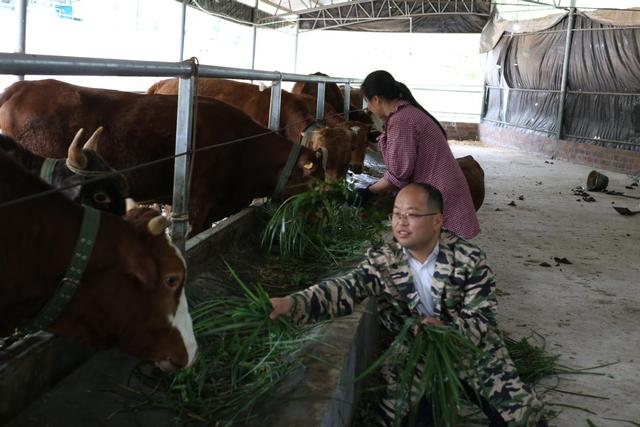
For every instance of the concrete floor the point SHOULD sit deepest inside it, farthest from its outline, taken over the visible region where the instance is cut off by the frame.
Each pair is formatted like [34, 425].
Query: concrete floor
[589, 310]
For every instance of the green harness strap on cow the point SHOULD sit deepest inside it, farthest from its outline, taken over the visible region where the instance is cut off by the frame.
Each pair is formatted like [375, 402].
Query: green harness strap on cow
[46, 170]
[71, 280]
[286, 171]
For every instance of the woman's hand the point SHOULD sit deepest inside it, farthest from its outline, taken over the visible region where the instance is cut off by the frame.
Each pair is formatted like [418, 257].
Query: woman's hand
[382, 186]
[280, 306]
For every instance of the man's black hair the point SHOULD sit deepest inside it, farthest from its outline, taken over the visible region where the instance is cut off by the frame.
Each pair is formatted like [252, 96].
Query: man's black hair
[434, 200]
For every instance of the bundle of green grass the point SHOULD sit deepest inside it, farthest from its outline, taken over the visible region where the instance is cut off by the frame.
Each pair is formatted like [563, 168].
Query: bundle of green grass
[424, 359]
[243, 358]
[321, 224]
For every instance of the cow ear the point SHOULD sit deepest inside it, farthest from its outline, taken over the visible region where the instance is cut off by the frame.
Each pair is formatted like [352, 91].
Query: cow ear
[131, 204]
[157, 225]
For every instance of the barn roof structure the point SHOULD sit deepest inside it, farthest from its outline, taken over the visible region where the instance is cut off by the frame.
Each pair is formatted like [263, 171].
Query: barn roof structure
[419, 16]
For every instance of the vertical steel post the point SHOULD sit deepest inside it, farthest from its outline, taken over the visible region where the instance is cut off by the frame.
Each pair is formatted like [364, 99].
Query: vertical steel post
[183, 22]
[485, 91]
[565, 68]
[181, 175]
[21, 9]
[254, 15]
[347, 100]
[320, 102]
[295, 51]
[274, 106]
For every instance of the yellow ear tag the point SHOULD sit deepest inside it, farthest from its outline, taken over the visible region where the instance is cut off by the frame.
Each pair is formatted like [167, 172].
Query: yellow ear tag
[308, 165]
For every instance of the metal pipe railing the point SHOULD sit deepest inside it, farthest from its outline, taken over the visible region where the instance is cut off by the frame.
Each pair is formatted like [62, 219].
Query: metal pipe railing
[23, 64]
[14, 63]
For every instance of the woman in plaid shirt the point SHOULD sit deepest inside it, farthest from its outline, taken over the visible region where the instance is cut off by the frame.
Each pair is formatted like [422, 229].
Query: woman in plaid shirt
[415, 149]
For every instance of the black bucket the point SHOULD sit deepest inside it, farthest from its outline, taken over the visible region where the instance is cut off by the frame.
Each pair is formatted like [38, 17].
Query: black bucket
[597, 181]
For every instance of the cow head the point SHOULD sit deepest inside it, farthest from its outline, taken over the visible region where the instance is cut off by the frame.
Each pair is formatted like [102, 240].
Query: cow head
[135, 299]
[359, 133]
[333, 147]
[83, 166]
[310, 163]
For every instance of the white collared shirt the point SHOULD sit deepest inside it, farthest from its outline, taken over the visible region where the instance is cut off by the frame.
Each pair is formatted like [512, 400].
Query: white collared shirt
[422, 277]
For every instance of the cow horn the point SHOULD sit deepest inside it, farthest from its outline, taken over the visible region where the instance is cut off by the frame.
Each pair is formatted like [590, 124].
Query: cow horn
[308, 165]
[75, 155]
[130, 203]
[92, 143]
[157, 225]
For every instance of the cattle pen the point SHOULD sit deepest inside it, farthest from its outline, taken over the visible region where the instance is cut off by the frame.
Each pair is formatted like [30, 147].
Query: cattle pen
[557, 105]
[47, 346]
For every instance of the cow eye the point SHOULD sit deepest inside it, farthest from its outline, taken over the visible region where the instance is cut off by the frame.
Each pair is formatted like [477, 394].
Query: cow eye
[172, 280]
[101, 198]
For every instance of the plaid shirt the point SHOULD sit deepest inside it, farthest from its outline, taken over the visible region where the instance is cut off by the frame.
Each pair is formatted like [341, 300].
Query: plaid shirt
[415, 150]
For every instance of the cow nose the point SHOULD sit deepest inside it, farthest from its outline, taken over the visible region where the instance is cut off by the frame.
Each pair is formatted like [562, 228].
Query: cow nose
[355, 168]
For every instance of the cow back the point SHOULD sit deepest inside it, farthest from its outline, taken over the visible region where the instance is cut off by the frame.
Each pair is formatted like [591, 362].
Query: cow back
[252, 99]
[474, 175]
[139, 130]
[332, 94]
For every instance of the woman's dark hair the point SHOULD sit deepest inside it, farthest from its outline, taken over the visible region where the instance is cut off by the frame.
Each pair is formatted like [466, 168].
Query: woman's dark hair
[381, 83]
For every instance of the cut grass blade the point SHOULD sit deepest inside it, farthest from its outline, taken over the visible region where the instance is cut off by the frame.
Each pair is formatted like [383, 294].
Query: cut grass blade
[244, 356]
[320, 224]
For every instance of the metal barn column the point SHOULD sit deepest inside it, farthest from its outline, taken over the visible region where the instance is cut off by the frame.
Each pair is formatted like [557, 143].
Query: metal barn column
[565, 68]
[183, 21]
[21, 9]
[254, 16]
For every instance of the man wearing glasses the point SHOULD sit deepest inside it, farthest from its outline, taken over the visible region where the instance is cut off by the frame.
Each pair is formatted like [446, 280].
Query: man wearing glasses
[430, 273]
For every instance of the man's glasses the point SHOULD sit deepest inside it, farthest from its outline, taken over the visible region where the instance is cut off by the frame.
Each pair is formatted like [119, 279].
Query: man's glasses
[409, 217]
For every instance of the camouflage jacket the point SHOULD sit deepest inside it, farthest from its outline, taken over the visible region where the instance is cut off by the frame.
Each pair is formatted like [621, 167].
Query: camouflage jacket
[463, 295]
[462, 288]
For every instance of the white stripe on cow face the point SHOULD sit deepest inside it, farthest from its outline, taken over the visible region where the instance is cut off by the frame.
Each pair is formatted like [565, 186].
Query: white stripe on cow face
[182, 319]
[182, 322]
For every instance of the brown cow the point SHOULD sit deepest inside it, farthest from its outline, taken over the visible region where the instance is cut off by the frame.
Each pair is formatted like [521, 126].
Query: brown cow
[141, 128]
[107, 193]
[295, 117]
[131, 294]
[359, 143]
[475, 179]
[359, 134]
[338, 141]
[334, 97]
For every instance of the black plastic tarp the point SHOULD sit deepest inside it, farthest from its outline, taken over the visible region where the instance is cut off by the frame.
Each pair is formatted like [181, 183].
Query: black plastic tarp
[604, 61]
